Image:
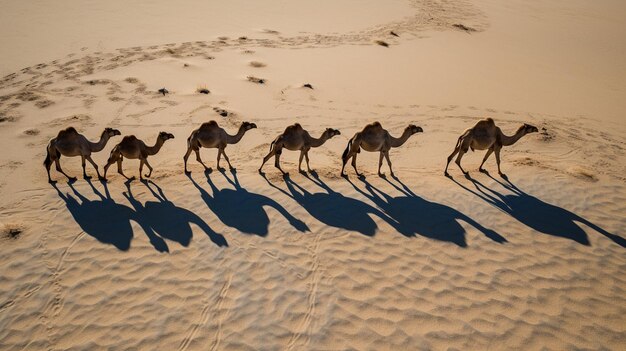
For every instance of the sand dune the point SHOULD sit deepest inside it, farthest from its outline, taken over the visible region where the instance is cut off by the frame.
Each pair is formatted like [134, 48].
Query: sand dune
[238, 260]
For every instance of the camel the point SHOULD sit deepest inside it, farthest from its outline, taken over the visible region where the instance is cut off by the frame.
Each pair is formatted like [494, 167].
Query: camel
[485, 135]
[296, 138]
[210, 135]
[71, 143]
[375, 138]
[133, 148]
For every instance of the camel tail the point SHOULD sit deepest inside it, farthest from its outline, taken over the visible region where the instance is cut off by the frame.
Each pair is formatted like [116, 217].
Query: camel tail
[272, 144]
[114, 151]
[189, 139]
[460, 140]
[345, 152]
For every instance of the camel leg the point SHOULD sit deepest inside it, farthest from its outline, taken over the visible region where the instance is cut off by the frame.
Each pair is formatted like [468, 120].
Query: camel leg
[58, 167]
[354, 165]
[48, 163]
[300, 161]
[343, 167]
[219, 155]
[277, 162]
[186, 157]
[141, 162]
[458, 161]
[119, 169]
[227, 160]
[497, 151]
[389, 163]
[84, 163]
[200, 160]
[266, 158]
[306, 156]
[456, 151]
[481, 169]
[48, 170]
[106, 168]
[93, 164]
[380, 164]
[145, 162]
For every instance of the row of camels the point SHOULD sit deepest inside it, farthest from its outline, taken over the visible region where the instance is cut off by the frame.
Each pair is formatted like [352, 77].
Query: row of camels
[484, 135]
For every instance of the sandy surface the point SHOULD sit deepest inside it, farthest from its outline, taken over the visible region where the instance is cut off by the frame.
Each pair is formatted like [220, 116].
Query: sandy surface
[236, 260]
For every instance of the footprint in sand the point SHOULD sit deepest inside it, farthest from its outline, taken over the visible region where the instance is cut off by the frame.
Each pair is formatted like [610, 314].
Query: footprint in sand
[31, 132]
[257, 64]
[257, 80]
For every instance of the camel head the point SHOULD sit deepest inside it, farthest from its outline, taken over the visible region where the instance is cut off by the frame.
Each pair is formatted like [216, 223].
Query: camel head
[332, 132]
[110, 132]
[246, 126]
[414, 129]
[166, 136]
[529, 129]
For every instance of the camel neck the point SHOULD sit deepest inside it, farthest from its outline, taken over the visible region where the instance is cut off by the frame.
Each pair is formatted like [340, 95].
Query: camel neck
[234, 139]
[397, 142]
[510, 140]
[100, 144]
[152, 150]
[321, 140]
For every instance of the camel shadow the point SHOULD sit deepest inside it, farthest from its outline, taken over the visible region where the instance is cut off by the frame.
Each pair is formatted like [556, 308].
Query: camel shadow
[332, 208]
[104, 219]
[418, 216]
[537, 214]
[167, 220]
[243, 210]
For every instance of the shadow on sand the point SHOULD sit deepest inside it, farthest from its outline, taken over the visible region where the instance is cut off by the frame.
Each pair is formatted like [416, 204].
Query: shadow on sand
[240, 209]
[417, 216]
[104, 219]
[408, 214]
[537, 214]
[110, 222]
[332, 208]
[168, 220]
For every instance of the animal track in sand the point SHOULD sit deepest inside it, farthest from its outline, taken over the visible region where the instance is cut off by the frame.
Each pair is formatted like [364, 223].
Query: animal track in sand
[31, 132]
[257, 80]
[257, 64]
[79, 119]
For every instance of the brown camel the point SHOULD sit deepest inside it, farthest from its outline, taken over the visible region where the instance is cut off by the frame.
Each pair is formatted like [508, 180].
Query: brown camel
[210, 135]
[296, 138]
[133, 148]
[71, 143]
[485, 135]
[375, 138]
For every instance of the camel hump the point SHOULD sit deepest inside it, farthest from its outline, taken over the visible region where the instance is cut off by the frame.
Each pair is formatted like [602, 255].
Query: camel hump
[128, 138]
[487, 123]
[293, 128]
[373, 126]
[208, 125]
[68, 131]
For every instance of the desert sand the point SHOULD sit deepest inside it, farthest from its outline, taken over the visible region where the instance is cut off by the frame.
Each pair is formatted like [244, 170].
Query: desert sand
[240, 261]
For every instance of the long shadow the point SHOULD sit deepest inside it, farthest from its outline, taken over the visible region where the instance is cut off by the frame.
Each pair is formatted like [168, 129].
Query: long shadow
[168, 220]
[241, 209]
[418, 216]
[332, 208]
[537, 214]
[104, 219]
